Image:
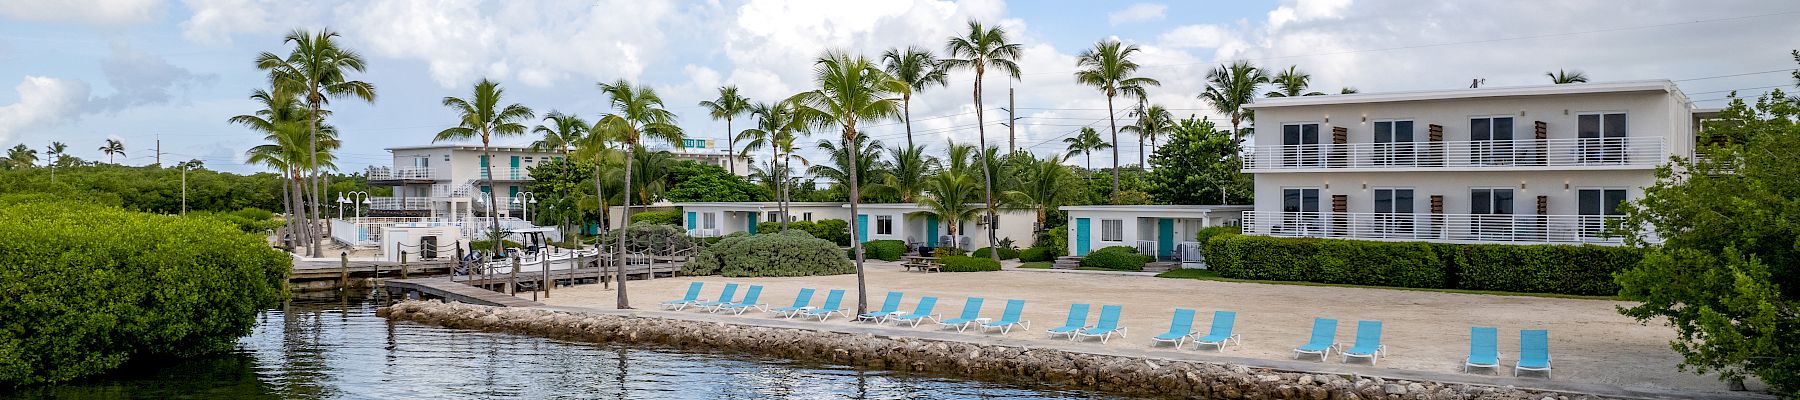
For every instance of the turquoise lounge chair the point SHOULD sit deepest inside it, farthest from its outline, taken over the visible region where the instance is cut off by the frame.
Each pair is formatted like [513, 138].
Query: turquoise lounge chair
[1483, 352]
[889, 307]
[746, 304]
[724, 297]
[833, 304]
[1534, 352]
[693, 295]
[800, 302]
[920, 313]
[1324, 339]
[1077, 320]
[1222, 324]
[1180, 327]
[1368, 343]
[1008, 318]
[1105, 328]
[971, 312]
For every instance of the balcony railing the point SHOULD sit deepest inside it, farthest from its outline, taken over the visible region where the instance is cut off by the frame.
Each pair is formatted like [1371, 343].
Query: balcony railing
[1606, 152]
[415, 173]
[514, 174]
[1499, 228]
[400, 203]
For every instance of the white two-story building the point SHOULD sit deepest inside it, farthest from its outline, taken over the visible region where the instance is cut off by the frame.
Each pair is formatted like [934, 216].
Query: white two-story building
[1533, 164]
[453, 181]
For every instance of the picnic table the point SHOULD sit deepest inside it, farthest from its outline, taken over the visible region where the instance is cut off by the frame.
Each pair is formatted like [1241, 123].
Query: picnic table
[921, 263]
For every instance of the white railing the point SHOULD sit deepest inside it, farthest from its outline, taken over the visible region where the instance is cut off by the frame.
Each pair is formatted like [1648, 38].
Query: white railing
[697, 232]
[516, 174]
[1147, 247]
[1498, 228]
[1607, 152]
[1189, 252]
[399, 203]
[384, 173]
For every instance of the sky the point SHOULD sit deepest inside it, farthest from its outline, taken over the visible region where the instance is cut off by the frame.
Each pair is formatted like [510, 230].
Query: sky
[143, 71]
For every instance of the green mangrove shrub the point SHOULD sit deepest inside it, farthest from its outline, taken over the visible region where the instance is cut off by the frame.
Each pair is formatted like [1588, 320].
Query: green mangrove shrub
[1006, 253]
[662, 217]
[885, 250]
[1122, 258]
[1561, 269]
[969, 264]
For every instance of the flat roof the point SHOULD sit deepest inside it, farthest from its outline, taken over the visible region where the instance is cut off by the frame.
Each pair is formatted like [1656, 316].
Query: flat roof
[1158, 208]
[758, 204]
[470, 147]
[1658, 85]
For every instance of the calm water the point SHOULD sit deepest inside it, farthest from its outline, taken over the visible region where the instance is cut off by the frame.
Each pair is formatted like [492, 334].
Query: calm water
[335, 347]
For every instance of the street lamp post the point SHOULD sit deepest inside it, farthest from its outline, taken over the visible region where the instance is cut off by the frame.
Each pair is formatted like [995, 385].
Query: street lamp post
[525, 200]
[356, 200]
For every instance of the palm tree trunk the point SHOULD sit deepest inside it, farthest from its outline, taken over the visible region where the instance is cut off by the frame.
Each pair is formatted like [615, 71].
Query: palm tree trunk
[1141, 164]
[906, 107]
[312, 152]
[493, 202]
[862, 290]
[731, 142]
[1114, 123]
[600, 196]
[775, 168]
[987, 175]
[624, 302]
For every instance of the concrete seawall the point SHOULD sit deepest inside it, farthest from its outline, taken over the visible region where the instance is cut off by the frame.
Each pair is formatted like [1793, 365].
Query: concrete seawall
[1111, 373]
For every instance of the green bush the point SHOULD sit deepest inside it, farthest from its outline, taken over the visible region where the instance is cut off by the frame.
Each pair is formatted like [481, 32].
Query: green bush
[246, 224]
[715, 239]
[254, 214]
[791, 253]
[1578, 270]
[1056, 238]
[1122, 258]
[89, 287]
[775, 226]
[835, 230]
[969, 264]
[885, 250]
[665, 217]
[1206, 234]
[649, 237]
[942, 252]
[1036, 254]
[1006, 253]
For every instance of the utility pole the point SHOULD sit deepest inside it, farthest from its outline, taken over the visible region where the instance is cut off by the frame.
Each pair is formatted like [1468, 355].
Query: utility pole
[159, 151]
[1012, 139]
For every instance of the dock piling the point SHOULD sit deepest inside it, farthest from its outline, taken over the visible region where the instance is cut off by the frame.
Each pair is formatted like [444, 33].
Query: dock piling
[344, 270]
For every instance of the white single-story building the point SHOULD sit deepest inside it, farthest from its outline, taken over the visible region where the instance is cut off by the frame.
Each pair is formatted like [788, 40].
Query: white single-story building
[705, 219]
[1166, 231]
[918, 226]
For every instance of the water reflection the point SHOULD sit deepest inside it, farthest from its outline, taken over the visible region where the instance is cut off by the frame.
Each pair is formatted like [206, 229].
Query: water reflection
[333, 346]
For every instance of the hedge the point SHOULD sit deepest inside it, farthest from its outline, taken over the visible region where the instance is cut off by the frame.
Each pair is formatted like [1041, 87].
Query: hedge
[1561, 269]
[791, 253]
[1039, 254]
[835, 230]
[650, 237]
[1123, 258]
[664, 217]
[91, 287]
[885, 250]
[969, 264]
[1206, 234]
[1055, 238]
[1006, 253]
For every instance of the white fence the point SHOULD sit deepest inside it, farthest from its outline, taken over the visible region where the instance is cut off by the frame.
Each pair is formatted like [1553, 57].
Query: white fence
[1627, 151]
[1571, 229]
[385, 173]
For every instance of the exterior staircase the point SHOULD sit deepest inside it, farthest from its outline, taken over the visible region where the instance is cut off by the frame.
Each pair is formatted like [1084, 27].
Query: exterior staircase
[1066, 262]
[1161, 266]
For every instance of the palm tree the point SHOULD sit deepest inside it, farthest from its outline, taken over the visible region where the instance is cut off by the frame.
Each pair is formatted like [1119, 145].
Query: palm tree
[284, 122]
[1108, 67]
[1085, 144]
[1042, 184]
[852, 90]
[784, 146]
[867, 161]
[775, 128]
[1292, 83]
[919, 69]
[482, 117]
[1231, 87]
[317, 69]
[728, 106]
[983, 48]
[54, 156]
[905, 178]
[563, 132]
[638, 114]
[948, 194]
[650, 174]
[21, 156]
[1348, 90]
[1152, 122]
[1561, 77]
[113, 147]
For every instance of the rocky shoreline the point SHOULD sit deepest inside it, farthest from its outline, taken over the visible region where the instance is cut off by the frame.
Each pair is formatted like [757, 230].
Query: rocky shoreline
[1125, 375]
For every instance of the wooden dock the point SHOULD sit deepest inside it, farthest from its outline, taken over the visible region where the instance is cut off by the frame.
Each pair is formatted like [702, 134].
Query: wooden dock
[444, 288]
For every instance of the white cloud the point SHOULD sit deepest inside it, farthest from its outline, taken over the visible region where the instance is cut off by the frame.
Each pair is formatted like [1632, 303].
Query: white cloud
[538, 43]
[139, 78]
[101, 13]
[43, 102]
[214, 21]
[1197, 36]
[1140, 12]
[1306, 10]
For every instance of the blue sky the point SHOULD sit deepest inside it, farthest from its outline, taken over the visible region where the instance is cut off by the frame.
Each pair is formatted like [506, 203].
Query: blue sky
[81, 71]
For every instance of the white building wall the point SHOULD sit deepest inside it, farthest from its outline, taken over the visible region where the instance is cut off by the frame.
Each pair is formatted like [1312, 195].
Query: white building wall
[1647, 114]
[1359, 188]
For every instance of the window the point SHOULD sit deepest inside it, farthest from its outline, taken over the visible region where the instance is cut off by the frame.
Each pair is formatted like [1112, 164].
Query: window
[1597, 205]
[807, 216]
[422, 162]
[1393, 209]
[884, 224]
[1300, 145]
[528, 159]
[1393, 142]
[774, 216]
[1493, 208]
[446, 158]
[1602, 137]
[709, 221]
[1300, 210]
[1112, 230]
[1492, 140]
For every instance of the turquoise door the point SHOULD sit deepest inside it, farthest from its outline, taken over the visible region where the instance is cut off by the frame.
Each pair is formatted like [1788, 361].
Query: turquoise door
[692, 219]
[862, 228]
[1165, 238]
[515, 168]
[484, 166]
[753, 223]
[1081, 236]
[931, 226]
